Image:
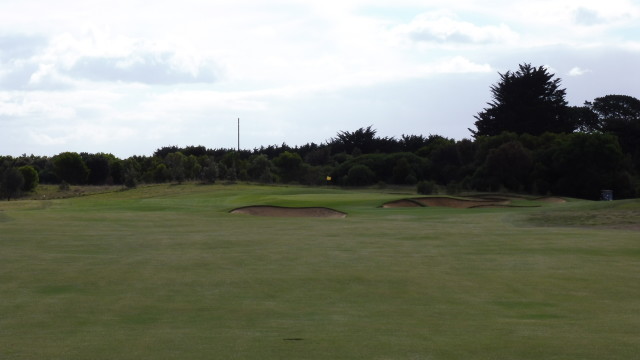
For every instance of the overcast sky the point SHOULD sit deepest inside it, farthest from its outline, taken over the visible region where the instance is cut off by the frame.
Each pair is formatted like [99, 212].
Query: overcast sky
[129, 76]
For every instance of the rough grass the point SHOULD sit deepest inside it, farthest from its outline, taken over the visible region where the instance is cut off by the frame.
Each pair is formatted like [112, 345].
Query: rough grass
[49, 192]
[617, 214]
[166, 272]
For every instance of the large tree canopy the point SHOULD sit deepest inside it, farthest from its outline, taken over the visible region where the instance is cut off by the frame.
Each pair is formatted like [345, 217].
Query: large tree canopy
[619, 115]
[30, 176]
[70, 167]
[616, 108]
[11, 182]
[529, 101]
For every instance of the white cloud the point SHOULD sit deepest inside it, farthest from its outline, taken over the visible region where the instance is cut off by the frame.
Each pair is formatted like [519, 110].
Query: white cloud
[459, 65]
[147, 68]
[38, 106]
[443, 28]
[116, 71]
[577, 71]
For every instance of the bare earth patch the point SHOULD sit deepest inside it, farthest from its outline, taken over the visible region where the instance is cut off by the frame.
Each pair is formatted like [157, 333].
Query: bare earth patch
[279, 211]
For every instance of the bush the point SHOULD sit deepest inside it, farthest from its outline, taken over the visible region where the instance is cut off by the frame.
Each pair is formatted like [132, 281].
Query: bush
[64, 186]
[426, 187]
[31, 179]
[209, 174]
[70, 167]
[454, 188]
[11, 183]
[411, 180]
[130, 181]
[360, 175]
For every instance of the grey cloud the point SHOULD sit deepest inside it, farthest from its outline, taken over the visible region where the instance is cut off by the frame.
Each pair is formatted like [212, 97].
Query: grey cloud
[155, 69]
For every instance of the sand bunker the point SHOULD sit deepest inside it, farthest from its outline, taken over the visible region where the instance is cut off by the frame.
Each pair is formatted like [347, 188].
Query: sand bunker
[402, 203]
[278, 211]
[447, 202]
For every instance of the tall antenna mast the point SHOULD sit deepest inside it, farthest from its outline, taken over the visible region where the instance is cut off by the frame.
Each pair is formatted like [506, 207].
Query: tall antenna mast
[238, 134]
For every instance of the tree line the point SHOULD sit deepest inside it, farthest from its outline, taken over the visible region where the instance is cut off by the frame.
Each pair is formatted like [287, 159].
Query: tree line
[527, 140]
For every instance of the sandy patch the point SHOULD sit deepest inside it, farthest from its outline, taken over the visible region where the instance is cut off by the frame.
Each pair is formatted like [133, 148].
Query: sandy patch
[402, 203]
[278, 211]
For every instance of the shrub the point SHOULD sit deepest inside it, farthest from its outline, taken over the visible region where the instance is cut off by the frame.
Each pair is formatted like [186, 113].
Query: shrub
[70, 167]
[411, 180]
[64, 186]
[454, 188]
[426, 187]
[31, 179]
[11, 183]
[360, 175]
[130, 181]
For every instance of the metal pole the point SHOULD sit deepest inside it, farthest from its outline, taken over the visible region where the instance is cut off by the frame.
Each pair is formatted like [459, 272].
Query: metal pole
[235, 168]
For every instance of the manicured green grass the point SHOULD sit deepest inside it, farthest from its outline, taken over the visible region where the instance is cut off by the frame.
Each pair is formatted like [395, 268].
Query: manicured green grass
[165, 272]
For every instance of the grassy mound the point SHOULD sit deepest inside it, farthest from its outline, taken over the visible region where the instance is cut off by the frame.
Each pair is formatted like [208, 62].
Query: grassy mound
[452, 202]
[280, 211]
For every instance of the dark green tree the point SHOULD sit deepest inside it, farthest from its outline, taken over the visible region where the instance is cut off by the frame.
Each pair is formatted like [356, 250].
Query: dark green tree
[116, 167]
[165, 150]
[412, 143]
[30, 176]
[209, 173]
[360, 175]
[161, 173]
[432, 143]
[175, 163]
[584, 164]
[70, 167]
[196, 151]
[619, 115]
[584, 119]
[99, 170]
[402, 173]
[260, 169]
[509, 166]
[445, 163]
[290, 166]
[528, 100]
[363, 139]
[192, 168]
[11, 183]
[426, 187]
[615, 108]
[320, 156]
[131, 172]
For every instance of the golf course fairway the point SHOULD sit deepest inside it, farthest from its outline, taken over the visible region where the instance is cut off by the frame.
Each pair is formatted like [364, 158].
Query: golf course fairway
[169, 272]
